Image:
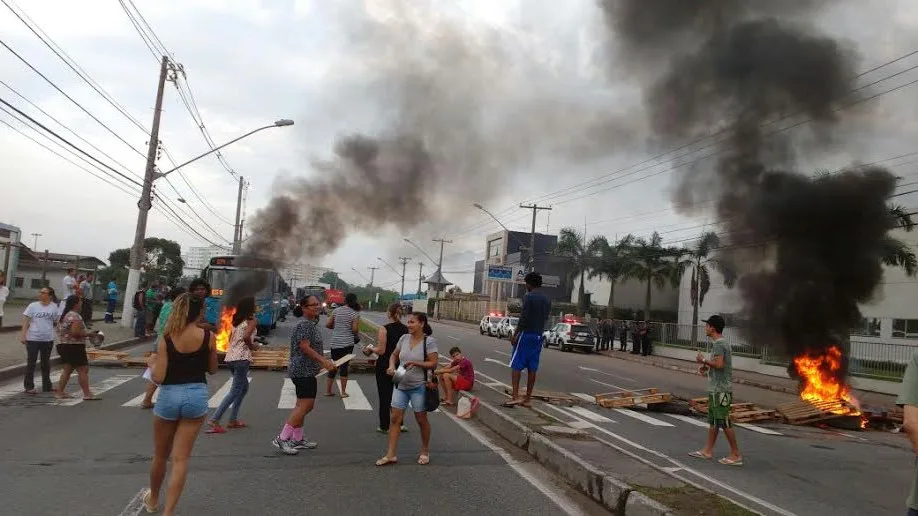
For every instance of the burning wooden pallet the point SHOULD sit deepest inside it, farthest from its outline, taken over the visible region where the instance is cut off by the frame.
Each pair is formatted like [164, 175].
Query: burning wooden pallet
[619, 399]
[557, 398]
[805, 412]
[739, 412]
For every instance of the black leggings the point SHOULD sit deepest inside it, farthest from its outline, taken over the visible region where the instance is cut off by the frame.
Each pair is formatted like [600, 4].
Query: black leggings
[384, 387]
[337, 353]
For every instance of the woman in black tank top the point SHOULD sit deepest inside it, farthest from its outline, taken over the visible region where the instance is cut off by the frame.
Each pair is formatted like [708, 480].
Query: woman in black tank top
[185, 354]
[386, 341]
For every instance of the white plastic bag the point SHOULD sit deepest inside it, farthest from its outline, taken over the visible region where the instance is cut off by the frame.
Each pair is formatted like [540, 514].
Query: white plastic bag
[466, 407]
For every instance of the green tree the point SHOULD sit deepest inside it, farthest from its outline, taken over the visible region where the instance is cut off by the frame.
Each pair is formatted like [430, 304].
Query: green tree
[655, 264]
[580, 254]
[701, 262]
[162, 260]
[331, 278]
[614, 263]
[897, 253]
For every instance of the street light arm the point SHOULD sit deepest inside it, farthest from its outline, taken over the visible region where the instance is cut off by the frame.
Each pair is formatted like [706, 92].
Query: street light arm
[279, 123]
[482, 208]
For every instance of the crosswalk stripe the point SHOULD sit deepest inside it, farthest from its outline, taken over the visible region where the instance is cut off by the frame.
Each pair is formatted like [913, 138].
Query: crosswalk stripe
[135, 402]
[592, 416]
[288, 395]
[642, 417]
[585, 397]
[356, 400]
[16, 387]
[96, 388]
[224, 390]
[759, 429]
[689, 419]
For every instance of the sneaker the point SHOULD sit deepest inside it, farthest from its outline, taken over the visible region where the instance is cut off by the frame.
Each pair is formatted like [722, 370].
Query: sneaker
[304, 444]
[404, 428]
[284, 446]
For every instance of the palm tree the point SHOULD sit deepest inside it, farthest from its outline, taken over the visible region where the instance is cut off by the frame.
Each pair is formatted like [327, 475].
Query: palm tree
[701, 277]
[655, 264]
[897, 253]
[580, 255]
[613, 264]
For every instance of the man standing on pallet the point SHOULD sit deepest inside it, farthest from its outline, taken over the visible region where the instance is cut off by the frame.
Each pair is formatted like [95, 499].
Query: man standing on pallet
[527, 339]
[719, 370]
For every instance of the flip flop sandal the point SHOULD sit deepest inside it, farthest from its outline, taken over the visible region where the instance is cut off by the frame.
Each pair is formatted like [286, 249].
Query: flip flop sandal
[511, 403]
[92, 398]
[237, 424]
[424, 459]
[214, 429]
[345, 395]
[385, 461]
[699, 455]
[147, 505]
[727, 461]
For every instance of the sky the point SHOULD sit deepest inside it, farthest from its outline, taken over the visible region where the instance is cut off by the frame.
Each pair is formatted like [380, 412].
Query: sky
[561, 117]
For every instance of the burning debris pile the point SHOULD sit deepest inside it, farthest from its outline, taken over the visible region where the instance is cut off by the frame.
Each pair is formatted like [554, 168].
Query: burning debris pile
[806, 250]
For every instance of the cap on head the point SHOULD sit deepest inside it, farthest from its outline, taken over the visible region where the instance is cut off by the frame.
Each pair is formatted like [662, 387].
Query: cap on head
[717, 322]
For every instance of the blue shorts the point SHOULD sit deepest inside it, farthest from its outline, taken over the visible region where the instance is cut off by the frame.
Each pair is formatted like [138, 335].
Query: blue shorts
[526, 352]
[181, 401]
[416, 397]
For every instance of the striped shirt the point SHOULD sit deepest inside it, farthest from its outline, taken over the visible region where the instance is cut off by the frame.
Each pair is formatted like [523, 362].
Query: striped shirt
[343, 334]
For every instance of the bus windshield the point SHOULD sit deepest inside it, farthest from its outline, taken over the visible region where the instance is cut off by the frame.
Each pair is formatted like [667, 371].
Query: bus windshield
[221, 279]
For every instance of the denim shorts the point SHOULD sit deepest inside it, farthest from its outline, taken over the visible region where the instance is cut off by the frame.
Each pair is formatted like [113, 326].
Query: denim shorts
[401, 398]
[181, 401]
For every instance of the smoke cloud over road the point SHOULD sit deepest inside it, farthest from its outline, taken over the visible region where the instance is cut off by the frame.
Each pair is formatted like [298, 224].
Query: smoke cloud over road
[806, 249]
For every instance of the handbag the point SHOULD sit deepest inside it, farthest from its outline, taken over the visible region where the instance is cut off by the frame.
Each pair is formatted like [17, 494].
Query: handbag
[431, 391]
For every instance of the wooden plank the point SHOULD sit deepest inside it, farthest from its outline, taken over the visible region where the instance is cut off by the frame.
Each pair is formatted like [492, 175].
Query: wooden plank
[635, 400]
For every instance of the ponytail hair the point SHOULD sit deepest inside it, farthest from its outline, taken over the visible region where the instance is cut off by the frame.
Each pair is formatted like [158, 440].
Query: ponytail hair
[185, 310]
[422, 318]
[395, 310]
[68, 306]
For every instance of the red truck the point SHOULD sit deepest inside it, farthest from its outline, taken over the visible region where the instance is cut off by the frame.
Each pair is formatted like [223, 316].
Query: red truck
[334, 298]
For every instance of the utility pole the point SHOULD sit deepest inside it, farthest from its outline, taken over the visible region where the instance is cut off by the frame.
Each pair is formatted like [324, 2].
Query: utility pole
[420, 276]
[535, 210]
[440, 272]
[144, 205]
[372, 275]
[35, 241]
[404, 261]
[44, 269]
[237, 235]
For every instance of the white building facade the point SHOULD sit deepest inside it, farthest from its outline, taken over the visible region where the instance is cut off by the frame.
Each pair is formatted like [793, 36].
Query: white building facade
[196, 258]
[298, 274]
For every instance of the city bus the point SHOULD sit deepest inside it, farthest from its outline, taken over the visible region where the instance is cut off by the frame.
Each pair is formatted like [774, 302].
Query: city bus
[222, 272]
[315, 289]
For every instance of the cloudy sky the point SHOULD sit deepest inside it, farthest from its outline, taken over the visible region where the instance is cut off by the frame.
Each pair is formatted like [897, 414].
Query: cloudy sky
[563, 130]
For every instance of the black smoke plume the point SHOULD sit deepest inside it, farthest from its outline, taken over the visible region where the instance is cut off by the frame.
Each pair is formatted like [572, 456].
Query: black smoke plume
[459, 112]
[807, 249]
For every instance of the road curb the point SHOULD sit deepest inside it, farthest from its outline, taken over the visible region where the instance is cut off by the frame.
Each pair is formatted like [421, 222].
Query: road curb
[609, 491]
[17, 327]
[19, 369]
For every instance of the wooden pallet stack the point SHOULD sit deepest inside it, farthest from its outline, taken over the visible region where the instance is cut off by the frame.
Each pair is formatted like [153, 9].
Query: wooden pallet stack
[739, 412]
[622, 399]
[555, 398]
[804, 412]
[270, 358]
[104, 355]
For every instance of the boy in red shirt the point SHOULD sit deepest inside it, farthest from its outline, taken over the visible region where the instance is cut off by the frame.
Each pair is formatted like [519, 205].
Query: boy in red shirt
[459, 376]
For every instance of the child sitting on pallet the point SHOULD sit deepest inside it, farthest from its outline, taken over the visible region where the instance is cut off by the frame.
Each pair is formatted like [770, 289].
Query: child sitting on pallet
[459, 376]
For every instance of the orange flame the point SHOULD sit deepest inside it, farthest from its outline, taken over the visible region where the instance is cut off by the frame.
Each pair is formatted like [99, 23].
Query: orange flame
[819, 374]
[224, 327]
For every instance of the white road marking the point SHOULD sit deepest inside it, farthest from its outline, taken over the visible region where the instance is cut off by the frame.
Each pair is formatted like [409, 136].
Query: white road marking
[218, 396]
[585, 397]
[592, 416]
[504, 353]
[356, 399]
[580, 425]
[551, 492]
[139, 399]
[676, 464]
[288, 395]
[494, 385]
[689, 419]
[642, 417]
[96, 388]
[608, 374]
[15, 387]
[134, 507]
[454, 338]
[608, 384]
[497, 362]
[759, 429]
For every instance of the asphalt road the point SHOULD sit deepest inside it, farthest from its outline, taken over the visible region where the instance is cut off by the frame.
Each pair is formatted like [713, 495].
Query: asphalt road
[788, 469]
[93, 458]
